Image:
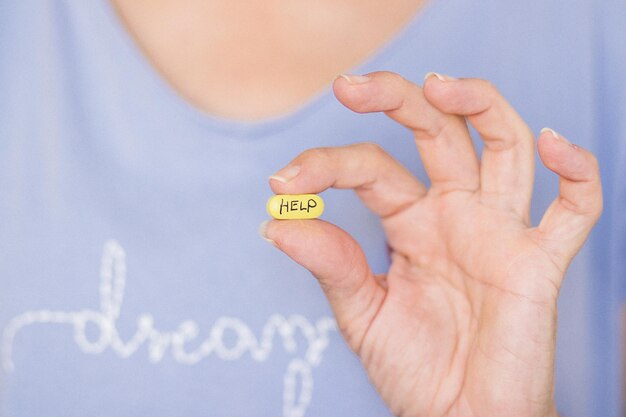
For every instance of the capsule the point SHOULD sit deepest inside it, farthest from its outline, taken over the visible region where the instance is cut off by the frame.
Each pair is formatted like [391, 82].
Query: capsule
[295, 206]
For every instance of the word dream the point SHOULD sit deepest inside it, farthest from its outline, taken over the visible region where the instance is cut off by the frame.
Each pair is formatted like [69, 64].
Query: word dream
[112, 284]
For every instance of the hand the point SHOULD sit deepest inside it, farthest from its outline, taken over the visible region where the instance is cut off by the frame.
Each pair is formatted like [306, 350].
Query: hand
[463, 323]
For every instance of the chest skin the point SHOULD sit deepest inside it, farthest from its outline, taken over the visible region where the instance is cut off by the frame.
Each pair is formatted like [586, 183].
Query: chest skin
[251, 60]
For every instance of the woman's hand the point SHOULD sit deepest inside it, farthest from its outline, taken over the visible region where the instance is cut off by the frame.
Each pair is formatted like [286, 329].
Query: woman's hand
[463, 323]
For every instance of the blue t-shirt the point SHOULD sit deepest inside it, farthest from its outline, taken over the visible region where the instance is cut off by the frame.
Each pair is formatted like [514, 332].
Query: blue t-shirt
[133, 281]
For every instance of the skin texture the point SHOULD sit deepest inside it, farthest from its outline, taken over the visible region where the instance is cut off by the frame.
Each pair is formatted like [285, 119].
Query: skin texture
[254, 59]
[464, 322]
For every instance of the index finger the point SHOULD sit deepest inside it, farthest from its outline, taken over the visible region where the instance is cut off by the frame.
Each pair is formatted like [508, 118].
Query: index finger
[383, 184]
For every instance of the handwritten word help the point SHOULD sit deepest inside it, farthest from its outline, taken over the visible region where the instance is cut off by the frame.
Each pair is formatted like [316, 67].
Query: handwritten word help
[112, 283]
[295, 206]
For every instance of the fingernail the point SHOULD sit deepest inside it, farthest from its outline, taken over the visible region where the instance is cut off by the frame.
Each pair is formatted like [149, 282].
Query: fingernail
[557, 136]
[547, 129]
[441, 77]
[263, 232]
[286, 174]
[355, 79]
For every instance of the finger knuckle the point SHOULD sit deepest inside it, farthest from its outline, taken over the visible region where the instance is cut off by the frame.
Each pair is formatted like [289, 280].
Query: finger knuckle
[316, 154]
[595, 165]
[396, 78]
[489, 86]
[372, 148]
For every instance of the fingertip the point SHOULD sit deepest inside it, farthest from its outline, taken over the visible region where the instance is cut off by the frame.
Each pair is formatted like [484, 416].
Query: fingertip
[264, 232]
[355, 79]
[286, 174]
[353, 95]
[279, 186]
[275, 185]
[466, 96]
[375, 92]
[283, 181]
[564, 158]
[317, 245]
[311, 172]
[440, 77]
[442, 96]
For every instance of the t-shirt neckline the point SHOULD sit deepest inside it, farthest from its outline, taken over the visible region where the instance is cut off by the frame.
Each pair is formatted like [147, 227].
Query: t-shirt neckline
[175, 102]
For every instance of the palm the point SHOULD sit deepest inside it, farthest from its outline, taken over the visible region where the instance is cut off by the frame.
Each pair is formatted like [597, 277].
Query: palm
[452, 298]
[463, 324]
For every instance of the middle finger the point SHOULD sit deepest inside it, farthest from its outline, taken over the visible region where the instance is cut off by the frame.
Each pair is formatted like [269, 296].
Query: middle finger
[443, 140]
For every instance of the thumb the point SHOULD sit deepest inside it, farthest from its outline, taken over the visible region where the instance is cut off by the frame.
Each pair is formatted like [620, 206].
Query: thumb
[339, 264]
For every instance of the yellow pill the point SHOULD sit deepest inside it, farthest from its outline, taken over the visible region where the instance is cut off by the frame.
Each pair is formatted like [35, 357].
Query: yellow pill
[295, 206]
